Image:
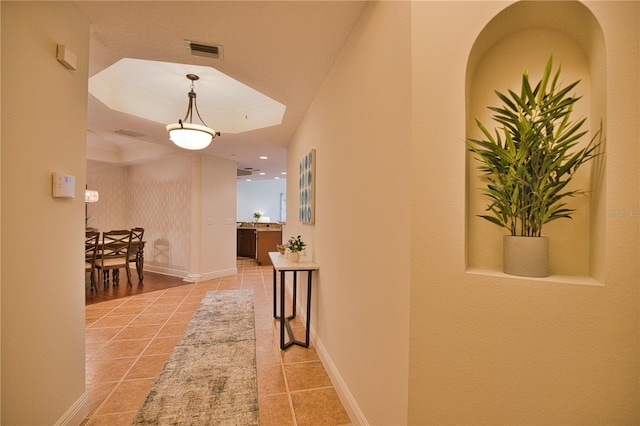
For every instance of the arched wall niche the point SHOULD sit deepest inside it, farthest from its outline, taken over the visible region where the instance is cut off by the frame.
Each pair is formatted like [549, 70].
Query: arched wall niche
[522, 37]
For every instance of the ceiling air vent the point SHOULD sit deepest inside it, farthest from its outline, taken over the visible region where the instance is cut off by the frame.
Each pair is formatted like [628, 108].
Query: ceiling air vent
[206, 50]
[243, 172]
[129, 133]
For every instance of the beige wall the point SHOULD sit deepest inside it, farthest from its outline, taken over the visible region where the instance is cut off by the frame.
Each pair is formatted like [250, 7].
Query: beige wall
[497, 349]
[44, 107]
[218, 218]
[483, 348]
[360, 126]
[43, 376]
[407, 335]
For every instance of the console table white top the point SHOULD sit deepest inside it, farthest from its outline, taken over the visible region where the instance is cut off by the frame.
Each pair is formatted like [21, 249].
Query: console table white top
[281, 263]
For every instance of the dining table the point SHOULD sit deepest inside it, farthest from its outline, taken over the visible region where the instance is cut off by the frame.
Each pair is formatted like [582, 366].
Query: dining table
[138, 247]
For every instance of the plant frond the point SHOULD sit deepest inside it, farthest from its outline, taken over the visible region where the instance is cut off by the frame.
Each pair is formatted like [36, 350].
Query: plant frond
[531, 155]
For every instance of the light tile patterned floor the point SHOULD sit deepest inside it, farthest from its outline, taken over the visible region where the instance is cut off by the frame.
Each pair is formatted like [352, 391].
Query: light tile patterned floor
[128, 341]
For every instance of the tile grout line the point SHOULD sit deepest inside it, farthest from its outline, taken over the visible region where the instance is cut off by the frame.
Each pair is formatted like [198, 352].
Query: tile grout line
[282, 364]
[247, 277]
[137, 358]
[288, 391]
[121, 327]
[119, 382]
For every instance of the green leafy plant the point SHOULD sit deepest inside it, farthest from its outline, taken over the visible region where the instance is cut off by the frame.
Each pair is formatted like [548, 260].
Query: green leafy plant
[529, 162]
[296, 244]
[257, 215]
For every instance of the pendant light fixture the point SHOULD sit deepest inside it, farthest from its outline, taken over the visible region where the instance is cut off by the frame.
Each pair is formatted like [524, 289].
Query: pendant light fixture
[187, 135]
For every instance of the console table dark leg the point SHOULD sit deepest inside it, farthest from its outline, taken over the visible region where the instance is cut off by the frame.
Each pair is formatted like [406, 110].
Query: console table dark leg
[295, 291]
[275, 295]
[306, 341]
[283, 318]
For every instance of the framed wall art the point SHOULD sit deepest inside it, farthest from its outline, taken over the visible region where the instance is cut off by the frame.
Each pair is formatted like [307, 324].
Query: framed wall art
[306, 210]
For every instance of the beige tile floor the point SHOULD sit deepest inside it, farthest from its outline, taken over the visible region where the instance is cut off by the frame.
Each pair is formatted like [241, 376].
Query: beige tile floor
[128, 341]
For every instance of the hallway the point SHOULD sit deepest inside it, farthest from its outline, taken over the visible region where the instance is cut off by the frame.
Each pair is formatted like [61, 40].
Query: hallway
[130, 336]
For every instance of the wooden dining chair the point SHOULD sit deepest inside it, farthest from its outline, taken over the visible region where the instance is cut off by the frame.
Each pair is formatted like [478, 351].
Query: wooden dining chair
[114, 252]
[90, 255]
[135, 250]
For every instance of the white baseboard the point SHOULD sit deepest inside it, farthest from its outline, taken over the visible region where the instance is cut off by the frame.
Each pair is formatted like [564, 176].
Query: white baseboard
[165, 271]
[76, 413]
[220, 273]
[190, 277]
[346, 397]
[348, 401]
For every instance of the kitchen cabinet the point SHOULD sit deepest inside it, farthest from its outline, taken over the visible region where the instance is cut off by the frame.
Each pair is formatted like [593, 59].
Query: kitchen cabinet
[256, 240]
[246, 244]
[266, 242]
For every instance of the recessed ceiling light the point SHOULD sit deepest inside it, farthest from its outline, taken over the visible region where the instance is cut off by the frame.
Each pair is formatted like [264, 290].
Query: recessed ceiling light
[248, 180]
[283, 173]
[262, 173]
[263, 157]
[277, 177]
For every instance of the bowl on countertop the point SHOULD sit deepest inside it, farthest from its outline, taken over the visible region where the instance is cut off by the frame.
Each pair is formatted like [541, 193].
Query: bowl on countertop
[281, 248]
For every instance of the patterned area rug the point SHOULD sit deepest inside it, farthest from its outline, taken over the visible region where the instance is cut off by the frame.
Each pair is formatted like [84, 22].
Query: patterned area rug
[210, 377]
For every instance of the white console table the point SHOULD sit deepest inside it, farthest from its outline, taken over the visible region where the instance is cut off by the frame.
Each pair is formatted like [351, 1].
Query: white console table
[282, 264]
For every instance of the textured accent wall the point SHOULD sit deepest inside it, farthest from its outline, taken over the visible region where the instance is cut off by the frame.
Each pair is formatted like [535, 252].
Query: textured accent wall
[160, 200]
[155, 196]
[112, 209]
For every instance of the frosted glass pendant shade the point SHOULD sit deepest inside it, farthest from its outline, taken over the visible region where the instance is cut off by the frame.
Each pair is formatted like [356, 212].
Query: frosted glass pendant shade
[190, 136]
[184, 133]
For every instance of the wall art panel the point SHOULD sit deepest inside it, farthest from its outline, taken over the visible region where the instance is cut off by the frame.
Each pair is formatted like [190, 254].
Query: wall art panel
[306, 211]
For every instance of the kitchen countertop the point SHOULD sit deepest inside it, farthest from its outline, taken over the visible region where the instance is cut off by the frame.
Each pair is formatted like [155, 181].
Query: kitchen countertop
[260, 226]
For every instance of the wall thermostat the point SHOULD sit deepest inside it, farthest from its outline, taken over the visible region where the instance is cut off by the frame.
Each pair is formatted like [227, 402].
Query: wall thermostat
[64, 186]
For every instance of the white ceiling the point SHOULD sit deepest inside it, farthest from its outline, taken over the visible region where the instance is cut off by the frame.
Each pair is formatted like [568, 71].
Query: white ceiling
[228, 105]
[281, 49]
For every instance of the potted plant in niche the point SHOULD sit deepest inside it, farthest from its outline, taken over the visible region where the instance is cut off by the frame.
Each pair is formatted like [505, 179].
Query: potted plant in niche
[528, 165]
[295, 246]
[256, 216]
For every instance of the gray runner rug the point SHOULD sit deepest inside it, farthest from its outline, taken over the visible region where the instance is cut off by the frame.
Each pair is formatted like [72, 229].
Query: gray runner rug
[210, 377]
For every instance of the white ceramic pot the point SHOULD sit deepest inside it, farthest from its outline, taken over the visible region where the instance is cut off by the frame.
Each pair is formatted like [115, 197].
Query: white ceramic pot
[525, 256]
[294, 256]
